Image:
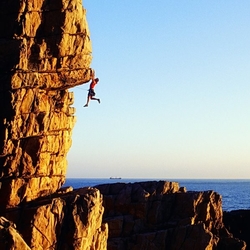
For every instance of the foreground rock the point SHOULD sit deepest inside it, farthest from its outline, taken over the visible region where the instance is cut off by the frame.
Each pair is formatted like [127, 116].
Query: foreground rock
[238, 223]
[44, 50]
[9, 237]
[64, 221]
[144, 215]
[160, 215]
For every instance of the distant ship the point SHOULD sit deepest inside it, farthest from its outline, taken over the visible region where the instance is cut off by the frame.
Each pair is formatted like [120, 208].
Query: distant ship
[114, 177]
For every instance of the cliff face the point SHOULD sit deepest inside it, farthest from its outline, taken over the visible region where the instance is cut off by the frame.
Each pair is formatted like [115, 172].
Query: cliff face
[44, 50]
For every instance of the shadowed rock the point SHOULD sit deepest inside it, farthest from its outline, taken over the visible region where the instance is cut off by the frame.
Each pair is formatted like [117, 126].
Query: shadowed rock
[9, 237]
[238, 223]
[160, 215]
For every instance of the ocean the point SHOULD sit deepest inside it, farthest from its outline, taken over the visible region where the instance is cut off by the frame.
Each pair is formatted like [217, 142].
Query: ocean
[235, 193]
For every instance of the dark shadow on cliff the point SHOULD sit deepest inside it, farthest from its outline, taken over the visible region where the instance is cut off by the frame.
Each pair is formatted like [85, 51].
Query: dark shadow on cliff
[49, 32]
[238, 223]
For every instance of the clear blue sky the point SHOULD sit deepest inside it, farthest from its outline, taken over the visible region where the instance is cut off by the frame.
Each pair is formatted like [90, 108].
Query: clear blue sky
[174, 89]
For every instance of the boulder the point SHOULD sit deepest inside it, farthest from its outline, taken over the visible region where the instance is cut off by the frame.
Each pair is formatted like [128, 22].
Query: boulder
[64, 220]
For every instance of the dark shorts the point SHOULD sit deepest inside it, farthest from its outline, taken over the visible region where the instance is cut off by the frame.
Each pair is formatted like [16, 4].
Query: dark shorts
[91, 92]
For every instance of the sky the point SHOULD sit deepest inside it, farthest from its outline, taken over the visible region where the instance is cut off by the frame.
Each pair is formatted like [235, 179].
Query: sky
[174, 89]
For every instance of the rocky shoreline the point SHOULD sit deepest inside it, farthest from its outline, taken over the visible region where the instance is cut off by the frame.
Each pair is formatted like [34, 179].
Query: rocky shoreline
[142, 215]
[45, 49]
[161, 215]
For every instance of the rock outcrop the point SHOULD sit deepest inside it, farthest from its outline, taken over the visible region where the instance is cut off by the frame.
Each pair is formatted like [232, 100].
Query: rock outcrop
[160, 215]
[146, 215]
[44, 50]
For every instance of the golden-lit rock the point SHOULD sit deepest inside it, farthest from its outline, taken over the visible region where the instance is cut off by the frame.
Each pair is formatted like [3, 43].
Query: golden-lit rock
[9, 236]
[65, 220]
[45, 49]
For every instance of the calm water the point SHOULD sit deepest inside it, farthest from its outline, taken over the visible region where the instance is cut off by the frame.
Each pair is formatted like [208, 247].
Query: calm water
[235, 193]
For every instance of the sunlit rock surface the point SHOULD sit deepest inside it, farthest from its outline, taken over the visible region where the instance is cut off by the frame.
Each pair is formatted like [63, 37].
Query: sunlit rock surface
[45, 49]
[65, 220]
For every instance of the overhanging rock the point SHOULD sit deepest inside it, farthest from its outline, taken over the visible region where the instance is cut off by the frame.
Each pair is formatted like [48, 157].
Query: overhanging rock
[45, 49]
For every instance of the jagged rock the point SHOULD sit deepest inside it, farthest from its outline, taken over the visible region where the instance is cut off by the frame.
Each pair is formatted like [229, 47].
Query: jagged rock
[45, 49]
[9, 237]
[71, 220]
[160, 215]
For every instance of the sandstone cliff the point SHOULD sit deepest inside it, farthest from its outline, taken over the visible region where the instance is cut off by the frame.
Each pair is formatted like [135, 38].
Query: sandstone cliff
[45, 49]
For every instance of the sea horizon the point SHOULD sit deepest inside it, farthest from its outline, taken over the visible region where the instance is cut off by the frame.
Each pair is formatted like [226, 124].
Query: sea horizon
[157, 178]
[235, 192]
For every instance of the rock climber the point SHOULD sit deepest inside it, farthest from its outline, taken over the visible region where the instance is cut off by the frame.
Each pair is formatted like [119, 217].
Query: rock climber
[91, 92]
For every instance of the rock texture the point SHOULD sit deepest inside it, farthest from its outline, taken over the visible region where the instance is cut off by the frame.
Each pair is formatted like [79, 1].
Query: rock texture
[238, 223]
[66, 220]
[144, 215]
[9, 237]
[160, 215]
[44, 50]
